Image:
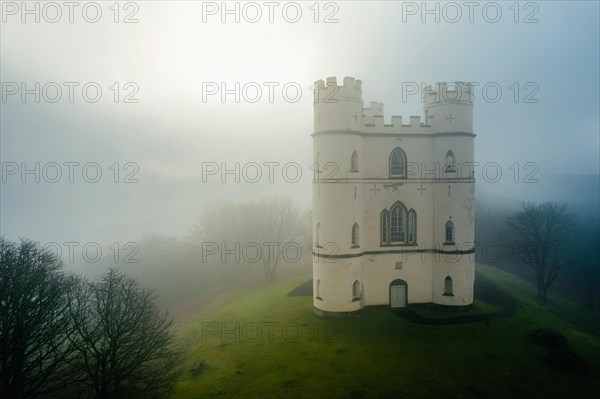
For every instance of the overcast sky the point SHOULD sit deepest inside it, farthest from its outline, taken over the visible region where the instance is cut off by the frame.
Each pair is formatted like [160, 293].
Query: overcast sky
[543, 56]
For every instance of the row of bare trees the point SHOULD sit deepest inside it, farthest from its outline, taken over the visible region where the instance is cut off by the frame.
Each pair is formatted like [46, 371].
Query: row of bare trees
[545, 237]
[64, 336]
[219, 253]
[269, 224]
[104, 337]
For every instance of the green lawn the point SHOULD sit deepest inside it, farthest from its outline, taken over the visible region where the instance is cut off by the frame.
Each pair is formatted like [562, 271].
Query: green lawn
[479, 307]
[265, 344]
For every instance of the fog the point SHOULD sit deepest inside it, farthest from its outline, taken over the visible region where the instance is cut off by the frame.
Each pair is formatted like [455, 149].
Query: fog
[164, 146]
[165, 139]
[163, 151]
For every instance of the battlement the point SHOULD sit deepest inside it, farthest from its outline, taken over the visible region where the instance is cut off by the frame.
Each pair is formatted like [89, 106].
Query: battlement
[375, 124]
[447, 108]
[331, 92]
[349, 82]
[455, 92]
[373, 121]
[376, 109]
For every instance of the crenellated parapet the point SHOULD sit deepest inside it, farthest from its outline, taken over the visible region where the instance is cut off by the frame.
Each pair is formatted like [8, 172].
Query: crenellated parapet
[456, 92]
[338, 107]
[329, 91]
[375, 109]
[447, 108]
[375, 124]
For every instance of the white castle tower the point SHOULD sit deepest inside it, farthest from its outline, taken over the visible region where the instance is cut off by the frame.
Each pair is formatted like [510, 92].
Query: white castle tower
[393, 204]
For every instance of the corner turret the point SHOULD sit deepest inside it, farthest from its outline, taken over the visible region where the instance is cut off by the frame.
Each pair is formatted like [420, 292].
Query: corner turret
[338, 107]
[449, 108]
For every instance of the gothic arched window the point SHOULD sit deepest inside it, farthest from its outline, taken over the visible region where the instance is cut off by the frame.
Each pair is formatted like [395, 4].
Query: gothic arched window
[356, 290]
[355, 232]
[449, 231]
[385, 226]
[398, 224]
[450, 161]
[354, 162]
[397, 163]
[412, 227]
[448, 286]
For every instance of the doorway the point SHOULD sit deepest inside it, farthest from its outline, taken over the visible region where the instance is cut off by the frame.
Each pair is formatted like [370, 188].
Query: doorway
[398, 294]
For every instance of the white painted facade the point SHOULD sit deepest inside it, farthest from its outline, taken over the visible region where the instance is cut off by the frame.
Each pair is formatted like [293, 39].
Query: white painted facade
[438, 190]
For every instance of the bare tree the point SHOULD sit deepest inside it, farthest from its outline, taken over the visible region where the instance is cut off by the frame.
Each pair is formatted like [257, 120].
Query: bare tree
[35, 331]
[586, 259]
[540, 235]
[125, 347]
[220, 226]
[277, 225]
[274, 228]
[220, 222]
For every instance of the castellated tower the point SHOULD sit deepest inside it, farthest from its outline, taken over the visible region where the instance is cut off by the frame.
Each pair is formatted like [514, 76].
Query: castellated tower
[393, 204]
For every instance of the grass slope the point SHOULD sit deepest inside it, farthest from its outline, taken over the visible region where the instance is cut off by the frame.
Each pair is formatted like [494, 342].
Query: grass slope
[378, 355]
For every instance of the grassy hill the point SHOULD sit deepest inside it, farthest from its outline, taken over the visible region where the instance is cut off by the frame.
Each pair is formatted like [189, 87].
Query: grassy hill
[265, 344]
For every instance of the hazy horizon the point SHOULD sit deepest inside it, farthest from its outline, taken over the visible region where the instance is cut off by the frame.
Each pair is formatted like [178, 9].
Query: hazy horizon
[545, 123]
